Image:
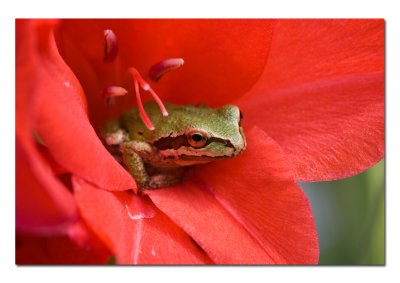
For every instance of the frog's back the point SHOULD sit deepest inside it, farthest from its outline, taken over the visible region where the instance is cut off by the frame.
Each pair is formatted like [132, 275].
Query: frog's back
[180, 118]
[132, 122]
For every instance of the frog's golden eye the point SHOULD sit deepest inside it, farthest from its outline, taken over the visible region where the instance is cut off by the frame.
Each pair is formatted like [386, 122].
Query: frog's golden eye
[196, 138]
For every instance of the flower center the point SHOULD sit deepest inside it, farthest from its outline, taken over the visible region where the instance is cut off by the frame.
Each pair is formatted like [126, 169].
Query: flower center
[155, 73]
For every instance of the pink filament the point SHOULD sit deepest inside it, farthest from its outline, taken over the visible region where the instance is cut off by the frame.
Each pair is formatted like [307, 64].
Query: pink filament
[159, 102]
[138, 80]
[142, 112]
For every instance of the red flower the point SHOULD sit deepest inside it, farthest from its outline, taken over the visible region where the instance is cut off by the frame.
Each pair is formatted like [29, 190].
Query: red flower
[311, 92]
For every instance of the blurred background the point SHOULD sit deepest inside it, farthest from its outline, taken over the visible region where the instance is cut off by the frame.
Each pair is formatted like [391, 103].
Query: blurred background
[350, 217]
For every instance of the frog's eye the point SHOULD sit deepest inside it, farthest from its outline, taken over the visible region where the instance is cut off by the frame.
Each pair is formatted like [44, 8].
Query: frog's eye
[196, 138]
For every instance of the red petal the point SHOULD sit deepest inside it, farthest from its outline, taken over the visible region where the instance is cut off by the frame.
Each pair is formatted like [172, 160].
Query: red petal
[245, 210]
[60, 114]
[43, 204]
[205, 220]
[134, 228]
[25, 68]
[321, 96]
[223, 58]
[56, 250]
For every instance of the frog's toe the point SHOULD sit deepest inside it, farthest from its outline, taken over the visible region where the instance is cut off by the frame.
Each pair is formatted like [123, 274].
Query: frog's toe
[115, 138]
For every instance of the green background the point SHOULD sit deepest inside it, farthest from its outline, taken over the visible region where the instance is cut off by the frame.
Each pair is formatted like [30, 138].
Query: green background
[350, 218]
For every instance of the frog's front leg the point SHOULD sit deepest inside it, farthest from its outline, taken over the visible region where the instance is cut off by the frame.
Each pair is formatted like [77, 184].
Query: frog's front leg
[137, 157]
[132, 160]
[113, 134]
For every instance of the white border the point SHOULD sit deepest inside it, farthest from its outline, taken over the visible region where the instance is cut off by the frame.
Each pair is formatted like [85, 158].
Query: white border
[205, 8]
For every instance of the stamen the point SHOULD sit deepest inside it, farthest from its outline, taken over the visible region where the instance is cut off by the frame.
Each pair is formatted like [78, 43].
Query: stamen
[159, 69]
[110, 46]
[110, 92]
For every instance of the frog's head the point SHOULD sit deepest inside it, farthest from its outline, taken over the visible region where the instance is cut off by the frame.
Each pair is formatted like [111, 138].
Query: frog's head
[210, 134]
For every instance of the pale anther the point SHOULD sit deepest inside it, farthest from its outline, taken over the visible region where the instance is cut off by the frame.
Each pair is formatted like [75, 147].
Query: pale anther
[159, 69]
[110, 45]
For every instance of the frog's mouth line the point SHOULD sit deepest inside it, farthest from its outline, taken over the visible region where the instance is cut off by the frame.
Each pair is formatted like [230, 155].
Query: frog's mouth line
[204, 158]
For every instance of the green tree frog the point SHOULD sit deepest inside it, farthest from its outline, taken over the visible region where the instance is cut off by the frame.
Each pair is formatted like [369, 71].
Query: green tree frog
[189, 135]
